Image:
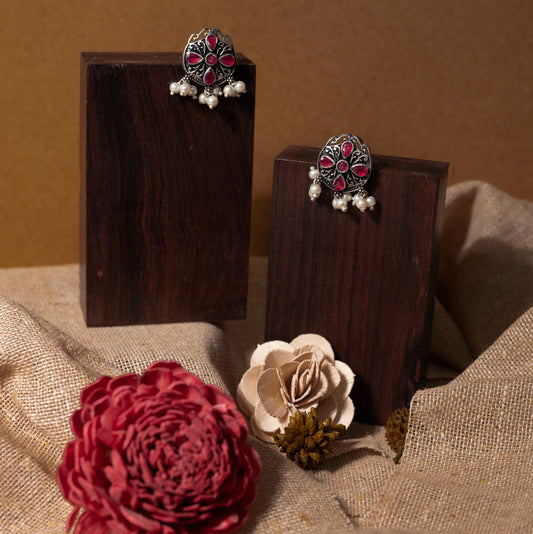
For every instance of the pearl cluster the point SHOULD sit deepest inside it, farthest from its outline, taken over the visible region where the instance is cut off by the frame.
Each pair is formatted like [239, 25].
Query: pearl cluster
[210, 94]
[359, 200]
[340, 202]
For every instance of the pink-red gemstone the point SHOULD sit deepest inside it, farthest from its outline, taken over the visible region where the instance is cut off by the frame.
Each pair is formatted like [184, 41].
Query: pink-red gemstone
[326, 162]
[338, 183]
[211, 41]
[193, 58]
[209, 77]
[228, 60]
[211, 59]
[360, 170]
[342, 166]
[346, 148]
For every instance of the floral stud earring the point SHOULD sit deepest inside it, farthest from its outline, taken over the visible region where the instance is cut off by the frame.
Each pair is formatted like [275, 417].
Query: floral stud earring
[343, 165]
[209, 61]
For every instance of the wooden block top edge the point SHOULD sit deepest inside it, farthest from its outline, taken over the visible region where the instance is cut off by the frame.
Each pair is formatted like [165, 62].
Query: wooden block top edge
[153, 58]
[308, 155]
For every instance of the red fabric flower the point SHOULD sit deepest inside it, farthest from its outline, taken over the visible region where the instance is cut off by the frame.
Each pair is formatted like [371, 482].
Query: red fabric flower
[160, 453]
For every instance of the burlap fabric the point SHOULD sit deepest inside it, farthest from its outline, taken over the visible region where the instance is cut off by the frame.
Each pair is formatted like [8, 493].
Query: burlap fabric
[468, 463]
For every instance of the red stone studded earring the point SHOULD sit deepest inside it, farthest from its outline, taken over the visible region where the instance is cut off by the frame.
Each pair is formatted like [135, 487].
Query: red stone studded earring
[209, 61]
[344, 165]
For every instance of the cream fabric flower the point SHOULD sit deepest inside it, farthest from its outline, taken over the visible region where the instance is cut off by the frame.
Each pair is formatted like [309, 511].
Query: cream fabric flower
[286, 377]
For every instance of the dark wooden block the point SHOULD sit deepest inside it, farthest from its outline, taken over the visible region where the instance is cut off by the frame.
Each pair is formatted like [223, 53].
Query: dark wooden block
[165, 194]
[365, 281]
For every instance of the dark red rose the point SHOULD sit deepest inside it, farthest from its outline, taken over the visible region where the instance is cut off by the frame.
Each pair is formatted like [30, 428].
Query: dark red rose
[160, 453]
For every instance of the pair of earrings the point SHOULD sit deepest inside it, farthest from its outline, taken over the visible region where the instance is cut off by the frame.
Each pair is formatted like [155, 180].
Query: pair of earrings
[344, 163]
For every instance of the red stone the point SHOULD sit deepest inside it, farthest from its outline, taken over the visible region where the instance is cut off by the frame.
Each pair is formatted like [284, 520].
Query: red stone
[342, 166]
[346, 148]
[228, 60]
[338, 184]
[360, 170]
[209, 77]
[326, 162]
[211, 59]
[211, 41]
[193, 58]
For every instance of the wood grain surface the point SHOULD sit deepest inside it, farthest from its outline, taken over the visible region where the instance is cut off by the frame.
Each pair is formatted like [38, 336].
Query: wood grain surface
[365, 281]
[165, 194]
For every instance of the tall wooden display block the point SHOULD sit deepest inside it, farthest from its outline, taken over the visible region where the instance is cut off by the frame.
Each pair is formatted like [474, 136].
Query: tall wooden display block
[365, 281]
[165, 194]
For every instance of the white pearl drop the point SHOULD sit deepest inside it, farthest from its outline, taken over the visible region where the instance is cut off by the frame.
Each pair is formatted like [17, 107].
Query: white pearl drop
[344, 208]
[313, 173]
[370, 202]
[361, 204]
[174, 88]
[240, 87]
[192, 90]
[337, 203]
[229, 91]
[315, 188]
[212, 101]
[184, 89]
[202, 98]
[347, 197]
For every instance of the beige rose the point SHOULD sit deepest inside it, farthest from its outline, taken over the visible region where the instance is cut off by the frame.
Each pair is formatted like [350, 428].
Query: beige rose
[286, 377]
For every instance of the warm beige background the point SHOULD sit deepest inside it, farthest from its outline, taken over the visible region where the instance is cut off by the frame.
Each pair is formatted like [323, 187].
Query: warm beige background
[444, 80]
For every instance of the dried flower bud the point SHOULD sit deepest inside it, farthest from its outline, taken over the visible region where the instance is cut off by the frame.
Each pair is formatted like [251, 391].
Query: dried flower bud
[306, 440]
[395, 431]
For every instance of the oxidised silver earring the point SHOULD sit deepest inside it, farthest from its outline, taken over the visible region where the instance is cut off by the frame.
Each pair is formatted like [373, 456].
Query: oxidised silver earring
[209, 61]
[343, 165]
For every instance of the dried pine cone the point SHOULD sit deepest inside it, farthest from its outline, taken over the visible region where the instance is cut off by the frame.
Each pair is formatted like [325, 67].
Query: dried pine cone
[306, 440]
[395, 431]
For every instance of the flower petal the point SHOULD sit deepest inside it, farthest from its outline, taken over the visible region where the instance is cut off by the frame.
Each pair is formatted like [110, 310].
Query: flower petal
[310, 352]
[328, 408]
[97, 389]
[72, 518]
[140, 520]
[332, 374]
[262, 351]
[264, 420]
[276, 358]
[91, 522]
[345, 413]
[317, 340]
[347, 380]
[258, 433]
[269, 390]
[247, 390]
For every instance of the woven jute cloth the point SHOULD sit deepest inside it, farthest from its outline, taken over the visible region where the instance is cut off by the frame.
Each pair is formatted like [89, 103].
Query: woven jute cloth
[467, 465]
